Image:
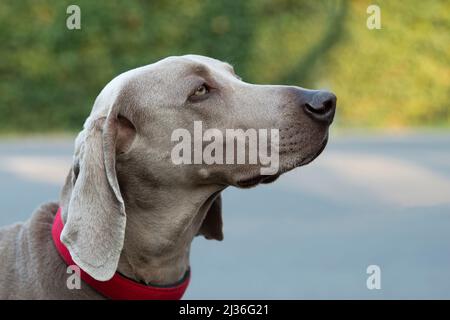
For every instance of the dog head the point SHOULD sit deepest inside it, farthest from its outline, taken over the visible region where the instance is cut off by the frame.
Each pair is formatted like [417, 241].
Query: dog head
[129, 141]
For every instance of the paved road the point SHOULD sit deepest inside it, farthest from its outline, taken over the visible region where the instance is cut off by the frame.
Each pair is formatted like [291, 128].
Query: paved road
[368, 200]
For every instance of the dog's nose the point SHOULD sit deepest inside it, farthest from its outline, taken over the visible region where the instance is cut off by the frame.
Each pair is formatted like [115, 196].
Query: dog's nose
[321, 106]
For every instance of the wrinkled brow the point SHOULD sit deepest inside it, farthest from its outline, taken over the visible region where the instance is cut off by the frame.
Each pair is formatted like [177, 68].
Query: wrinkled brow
[201, 71]
[204, 72]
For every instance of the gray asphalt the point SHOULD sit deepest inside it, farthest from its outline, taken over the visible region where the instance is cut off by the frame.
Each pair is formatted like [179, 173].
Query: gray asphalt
[367, 200]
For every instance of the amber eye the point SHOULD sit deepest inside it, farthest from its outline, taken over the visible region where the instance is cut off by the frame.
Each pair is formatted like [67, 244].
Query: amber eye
[201, 91]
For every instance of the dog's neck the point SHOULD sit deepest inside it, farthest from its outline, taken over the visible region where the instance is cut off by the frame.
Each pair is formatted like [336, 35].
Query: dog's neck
[158, 238]
[161, 223]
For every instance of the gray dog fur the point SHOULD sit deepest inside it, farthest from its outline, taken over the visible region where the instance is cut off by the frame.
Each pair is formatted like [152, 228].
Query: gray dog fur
[126, 206]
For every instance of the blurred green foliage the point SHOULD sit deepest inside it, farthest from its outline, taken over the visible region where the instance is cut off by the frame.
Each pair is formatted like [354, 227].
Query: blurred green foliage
[394, 77]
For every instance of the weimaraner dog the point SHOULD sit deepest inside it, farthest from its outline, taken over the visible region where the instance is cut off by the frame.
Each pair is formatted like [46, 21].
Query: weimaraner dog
[126, 207]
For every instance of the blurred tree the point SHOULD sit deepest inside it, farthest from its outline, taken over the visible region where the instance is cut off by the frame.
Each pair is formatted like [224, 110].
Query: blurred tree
[303, 72]
[396, 76]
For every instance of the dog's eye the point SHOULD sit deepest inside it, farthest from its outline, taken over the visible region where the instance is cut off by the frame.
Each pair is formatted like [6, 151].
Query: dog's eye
[201, 91]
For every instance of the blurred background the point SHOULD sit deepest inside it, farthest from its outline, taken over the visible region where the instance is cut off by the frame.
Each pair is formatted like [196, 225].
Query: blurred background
[378, 195]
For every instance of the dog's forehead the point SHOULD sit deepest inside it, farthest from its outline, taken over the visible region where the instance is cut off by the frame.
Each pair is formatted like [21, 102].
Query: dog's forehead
[171, 67]
[191, 61]
[161, 71]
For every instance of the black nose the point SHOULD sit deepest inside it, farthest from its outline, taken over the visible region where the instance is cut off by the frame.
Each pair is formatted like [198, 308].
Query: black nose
[321, 106]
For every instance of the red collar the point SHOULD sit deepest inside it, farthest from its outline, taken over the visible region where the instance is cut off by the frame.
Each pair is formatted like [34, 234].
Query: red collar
[119, 287]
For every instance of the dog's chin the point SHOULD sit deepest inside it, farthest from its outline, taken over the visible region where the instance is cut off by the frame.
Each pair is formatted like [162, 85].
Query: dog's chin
[310, 159]
[295, 161]
[254, 181]
[289, 165]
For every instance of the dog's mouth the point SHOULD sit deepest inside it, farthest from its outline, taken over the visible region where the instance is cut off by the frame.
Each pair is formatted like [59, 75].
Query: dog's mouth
[251, 182]
[255, 180]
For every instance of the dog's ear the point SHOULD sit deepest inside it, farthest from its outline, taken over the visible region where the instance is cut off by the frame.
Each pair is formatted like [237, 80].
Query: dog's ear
[212, 226]
[95, 217]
